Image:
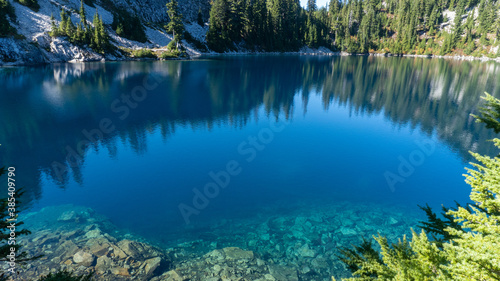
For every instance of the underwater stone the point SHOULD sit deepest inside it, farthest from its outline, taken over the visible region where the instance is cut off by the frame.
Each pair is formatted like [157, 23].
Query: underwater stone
[237, 253]
[305, 270]
[269, 277]
[94, 233]
[120, 271]
[152, 265]
[305, 251]
[67, 216]
[117, 252]
[298, 234]
[217, 269]
[347, 222]
[99, 249]
[102, 265]
[215, 254]
[83, 258]
[348, 231]
[130, 248]
[66, 249]
[283, 273]
[320, 262]
[393, 221]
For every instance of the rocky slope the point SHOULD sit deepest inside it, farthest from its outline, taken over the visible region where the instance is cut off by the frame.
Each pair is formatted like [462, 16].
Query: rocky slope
[35, 46]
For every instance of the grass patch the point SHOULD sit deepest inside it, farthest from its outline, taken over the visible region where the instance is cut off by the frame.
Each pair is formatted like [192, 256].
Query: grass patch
[170, 55]
[143, 53]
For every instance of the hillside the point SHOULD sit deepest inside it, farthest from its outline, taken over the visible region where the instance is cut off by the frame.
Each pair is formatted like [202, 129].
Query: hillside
[137, 29]
[31, 43]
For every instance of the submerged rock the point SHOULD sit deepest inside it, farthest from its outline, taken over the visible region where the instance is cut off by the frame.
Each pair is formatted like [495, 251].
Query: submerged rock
[171, 275]
[103, 264]
[120, 271]
[83, 258]
[348, 231]
[237, 253]
[283, 273]
[305, 251]
[152, 265]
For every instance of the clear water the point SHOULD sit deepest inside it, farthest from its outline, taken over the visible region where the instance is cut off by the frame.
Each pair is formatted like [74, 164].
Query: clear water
[329, 130]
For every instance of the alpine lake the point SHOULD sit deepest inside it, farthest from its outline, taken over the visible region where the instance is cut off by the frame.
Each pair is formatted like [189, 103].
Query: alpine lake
[235, 167]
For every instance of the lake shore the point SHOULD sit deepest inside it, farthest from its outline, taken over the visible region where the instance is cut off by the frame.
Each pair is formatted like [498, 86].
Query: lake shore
[36, 59]
[300, 245]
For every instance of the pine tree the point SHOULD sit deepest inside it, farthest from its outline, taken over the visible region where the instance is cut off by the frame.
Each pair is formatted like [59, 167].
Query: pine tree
[100, 40]
[457, 26]
[199, 19]
[6, 13]
[175, 24]
[218, 38]
[311, 6]
[83, 16]
[54, 30]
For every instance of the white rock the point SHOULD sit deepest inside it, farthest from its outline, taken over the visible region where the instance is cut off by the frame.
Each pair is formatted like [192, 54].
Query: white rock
[83, 258]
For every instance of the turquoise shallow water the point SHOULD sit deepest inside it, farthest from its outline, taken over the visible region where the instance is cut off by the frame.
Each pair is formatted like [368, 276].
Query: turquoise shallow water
[172, 151]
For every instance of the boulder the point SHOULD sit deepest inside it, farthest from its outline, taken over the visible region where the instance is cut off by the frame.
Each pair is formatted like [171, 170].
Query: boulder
[103, 264]
[283, 273]
[171, 275]
[137, 250]
[348, 231]
[118, 253]
[120, 271]
[83, 258]
[306, 252]
[66, 250]
[236, 253]
[152, 265]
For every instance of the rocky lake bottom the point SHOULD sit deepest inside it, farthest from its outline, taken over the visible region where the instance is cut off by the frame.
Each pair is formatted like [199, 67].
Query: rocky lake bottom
[300, 244]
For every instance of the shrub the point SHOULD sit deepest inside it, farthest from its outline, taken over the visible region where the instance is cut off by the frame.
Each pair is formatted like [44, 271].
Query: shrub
[143, 53]
[170, 55]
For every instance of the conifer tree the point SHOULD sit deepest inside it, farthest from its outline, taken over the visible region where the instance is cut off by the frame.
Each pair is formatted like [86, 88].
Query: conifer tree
[100, 41]
[54, 30]
[175, 24]
[199, 18]
[218, 38]
[311, 6]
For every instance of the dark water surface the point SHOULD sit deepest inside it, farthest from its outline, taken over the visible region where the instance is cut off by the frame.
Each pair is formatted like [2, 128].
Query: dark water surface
[156, 145]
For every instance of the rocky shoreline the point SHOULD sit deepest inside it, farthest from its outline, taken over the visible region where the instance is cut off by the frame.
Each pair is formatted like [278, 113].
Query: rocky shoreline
[32, 55]
[295, 245]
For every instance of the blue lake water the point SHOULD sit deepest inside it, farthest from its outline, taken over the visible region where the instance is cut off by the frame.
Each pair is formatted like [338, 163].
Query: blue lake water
[170, 149]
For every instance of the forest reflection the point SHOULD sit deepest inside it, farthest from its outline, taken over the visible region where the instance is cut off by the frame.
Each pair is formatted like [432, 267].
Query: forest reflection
[44, 110]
